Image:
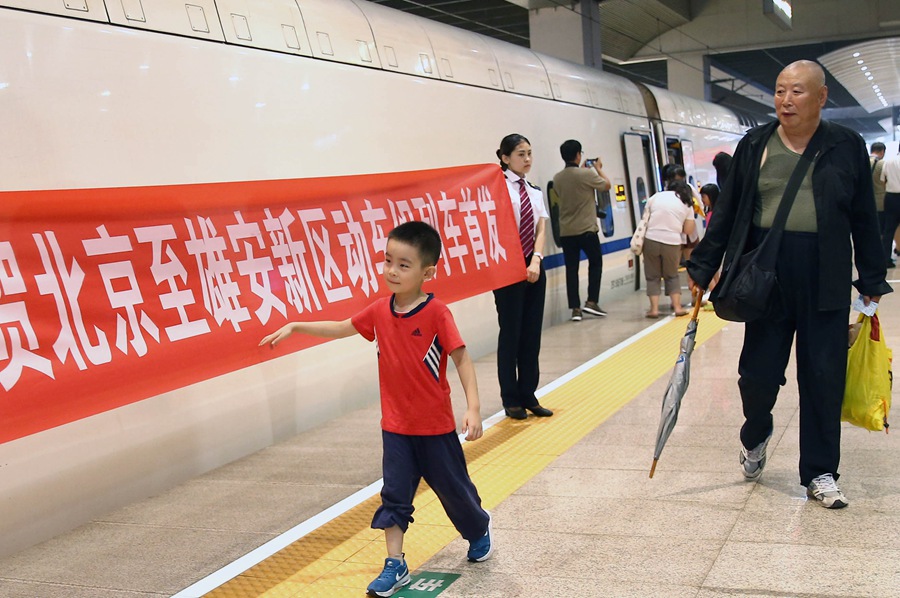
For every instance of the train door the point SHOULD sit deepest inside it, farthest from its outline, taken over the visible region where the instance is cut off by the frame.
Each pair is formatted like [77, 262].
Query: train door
[674, 153]
[605, 213]
[638, 164]
[687, 151]
[687, 154]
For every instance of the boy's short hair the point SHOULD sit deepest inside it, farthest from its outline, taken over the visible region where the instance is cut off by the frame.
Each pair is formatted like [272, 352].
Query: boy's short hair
[569, 150]
[877, 147]
[423, 237]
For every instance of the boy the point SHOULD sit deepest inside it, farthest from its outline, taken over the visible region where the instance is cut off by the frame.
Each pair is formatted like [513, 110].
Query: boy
[415, 333]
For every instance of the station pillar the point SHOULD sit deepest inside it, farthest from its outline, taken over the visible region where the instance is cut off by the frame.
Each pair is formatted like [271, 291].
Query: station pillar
[570, 32]
[688, 74]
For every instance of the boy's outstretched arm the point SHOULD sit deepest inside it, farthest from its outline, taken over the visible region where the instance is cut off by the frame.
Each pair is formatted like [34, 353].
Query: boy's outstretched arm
[466, 370]
[325, 329]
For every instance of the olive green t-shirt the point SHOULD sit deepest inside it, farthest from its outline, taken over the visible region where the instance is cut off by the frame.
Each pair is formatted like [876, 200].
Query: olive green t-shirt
[577, 200]
[773, 178]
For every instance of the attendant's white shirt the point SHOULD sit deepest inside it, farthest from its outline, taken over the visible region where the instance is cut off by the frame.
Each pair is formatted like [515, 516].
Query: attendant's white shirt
[535, 195]
[890, 172]
[667, 217]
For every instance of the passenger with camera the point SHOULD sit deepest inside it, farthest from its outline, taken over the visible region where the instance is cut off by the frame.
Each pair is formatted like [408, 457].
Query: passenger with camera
[577, 190]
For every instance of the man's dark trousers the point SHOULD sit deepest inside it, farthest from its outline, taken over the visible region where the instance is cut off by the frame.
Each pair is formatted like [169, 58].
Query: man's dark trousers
[821, 361]
[572, 247]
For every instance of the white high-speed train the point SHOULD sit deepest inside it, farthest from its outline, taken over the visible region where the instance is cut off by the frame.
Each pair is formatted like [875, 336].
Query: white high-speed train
[137, 93]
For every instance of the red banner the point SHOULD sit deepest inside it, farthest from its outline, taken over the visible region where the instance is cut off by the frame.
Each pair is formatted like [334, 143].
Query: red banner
[111, 296]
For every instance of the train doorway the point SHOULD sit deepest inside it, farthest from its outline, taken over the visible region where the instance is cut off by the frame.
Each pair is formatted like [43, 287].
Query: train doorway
[638, 165]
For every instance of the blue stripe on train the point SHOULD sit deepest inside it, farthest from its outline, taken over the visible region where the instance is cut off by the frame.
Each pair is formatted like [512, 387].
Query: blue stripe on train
[556, 260]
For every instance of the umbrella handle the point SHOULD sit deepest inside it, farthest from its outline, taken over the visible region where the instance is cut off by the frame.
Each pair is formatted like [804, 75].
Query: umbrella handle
[697, 297]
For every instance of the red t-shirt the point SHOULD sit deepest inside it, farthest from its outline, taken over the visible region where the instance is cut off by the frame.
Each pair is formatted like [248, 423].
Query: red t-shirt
[412, 364]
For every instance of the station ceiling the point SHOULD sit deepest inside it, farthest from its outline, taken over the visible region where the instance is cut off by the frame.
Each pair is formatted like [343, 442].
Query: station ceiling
[743, 79]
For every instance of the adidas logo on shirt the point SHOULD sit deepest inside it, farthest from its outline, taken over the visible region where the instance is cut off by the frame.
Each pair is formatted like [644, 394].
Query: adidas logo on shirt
[416, 332]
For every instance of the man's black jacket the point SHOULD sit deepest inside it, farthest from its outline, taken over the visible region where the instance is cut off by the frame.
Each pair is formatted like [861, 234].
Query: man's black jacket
[845, 210]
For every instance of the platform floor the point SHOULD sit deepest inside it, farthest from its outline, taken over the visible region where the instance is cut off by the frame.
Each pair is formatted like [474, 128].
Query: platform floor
[574, 511]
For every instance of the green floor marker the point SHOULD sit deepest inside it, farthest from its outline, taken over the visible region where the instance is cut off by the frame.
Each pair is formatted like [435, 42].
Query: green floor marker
[427, 583]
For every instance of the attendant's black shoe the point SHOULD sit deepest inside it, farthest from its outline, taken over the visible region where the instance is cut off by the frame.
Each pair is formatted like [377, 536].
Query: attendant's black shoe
[540, 411]
[891, 264]
[516, 413]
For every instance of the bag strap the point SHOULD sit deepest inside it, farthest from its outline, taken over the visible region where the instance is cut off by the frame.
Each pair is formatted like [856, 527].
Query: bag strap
[773, 238]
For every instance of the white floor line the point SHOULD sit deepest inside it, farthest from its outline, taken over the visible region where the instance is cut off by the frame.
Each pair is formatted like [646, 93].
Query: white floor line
[232, 570]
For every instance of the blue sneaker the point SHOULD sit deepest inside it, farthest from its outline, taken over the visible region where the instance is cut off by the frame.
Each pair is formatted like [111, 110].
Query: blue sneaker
[394, 576]
[482, 548]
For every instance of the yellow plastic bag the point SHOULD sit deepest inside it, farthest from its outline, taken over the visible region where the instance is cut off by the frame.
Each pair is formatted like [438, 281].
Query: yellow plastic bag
[867, 394]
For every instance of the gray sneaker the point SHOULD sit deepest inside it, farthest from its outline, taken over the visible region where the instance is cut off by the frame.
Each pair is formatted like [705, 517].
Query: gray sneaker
[753, 461]
[592, 308]
[576, 314]
[825, 490]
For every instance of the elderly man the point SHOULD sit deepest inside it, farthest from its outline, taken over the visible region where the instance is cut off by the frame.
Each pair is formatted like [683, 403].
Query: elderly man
[834, 204]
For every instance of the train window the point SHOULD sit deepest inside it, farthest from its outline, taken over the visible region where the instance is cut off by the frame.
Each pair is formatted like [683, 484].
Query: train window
[641, 194]
[290, 37]
[445, 68]
[324, 43]
[133, 10]
[197, 18]
[241, 27]
[605, 213]
[391, 56]
[364, 54]
[425, 61]
[673, 147]
[553, 201]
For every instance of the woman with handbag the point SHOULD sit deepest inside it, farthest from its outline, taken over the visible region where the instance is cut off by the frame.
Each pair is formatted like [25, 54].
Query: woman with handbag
[671, 216]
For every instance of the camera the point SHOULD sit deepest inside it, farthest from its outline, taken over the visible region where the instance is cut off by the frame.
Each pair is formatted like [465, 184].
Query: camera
[590, 162]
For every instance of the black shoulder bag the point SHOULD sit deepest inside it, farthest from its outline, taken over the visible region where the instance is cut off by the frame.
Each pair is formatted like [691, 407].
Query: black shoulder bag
[746, 292]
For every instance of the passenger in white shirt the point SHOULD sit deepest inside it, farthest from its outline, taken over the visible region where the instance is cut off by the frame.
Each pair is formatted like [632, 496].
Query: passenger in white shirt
[890, 174]
[671, 215]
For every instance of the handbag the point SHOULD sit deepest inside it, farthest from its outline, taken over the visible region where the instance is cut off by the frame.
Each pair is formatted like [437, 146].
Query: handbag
[867, 393]
[749, 282]
[637, 239]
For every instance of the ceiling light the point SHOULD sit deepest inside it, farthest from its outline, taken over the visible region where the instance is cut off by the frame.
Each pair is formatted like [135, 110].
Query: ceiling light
[880, 65]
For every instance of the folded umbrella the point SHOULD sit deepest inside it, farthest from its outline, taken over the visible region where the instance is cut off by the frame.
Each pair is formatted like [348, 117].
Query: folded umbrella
[678, 384]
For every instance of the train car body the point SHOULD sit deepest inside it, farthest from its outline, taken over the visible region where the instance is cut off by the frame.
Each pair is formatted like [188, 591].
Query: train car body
[127, 94]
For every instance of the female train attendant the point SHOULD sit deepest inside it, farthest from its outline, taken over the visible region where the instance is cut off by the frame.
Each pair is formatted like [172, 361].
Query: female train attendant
[520, 306]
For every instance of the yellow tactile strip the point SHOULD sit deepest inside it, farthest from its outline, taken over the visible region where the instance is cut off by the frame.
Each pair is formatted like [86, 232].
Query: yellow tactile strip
[343, 556]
